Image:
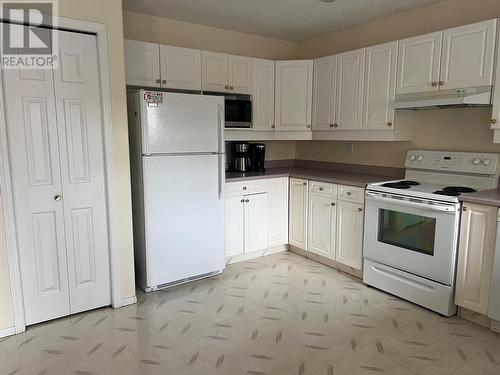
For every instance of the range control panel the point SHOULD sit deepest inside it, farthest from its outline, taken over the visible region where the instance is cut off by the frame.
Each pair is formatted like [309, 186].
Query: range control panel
[461, 162]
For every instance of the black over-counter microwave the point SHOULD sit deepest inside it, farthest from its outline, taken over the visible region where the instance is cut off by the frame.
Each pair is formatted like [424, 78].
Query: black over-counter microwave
[238, 111]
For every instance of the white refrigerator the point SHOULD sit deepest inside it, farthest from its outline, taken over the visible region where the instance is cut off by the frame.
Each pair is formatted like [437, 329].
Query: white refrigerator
[178, 173]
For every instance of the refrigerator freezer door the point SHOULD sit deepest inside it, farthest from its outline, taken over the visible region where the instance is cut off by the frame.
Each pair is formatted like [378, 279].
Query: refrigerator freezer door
[182, 123]
[184, 217]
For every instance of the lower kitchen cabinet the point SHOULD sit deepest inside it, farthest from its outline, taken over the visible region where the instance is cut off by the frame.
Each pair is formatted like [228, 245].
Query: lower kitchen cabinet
[277, 211]
[234, 230]
[321, 225]
[298, 213]
[255, 222]
[348, 247]
[475, 256]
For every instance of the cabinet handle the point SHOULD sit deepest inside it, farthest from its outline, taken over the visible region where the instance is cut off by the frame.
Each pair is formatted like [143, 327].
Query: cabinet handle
[304, 183]
[226, 87]
[164, 81]
[360, 209]
[333, 204]
[493, 121]
[321, 189]
[434, 84]
[348, 193]
[335, 125]
[389, 123]
[244, 187]
[242, 201]
[308, 125]
[441, 83]
[231, 87]
[58, 197]
[246, 200]
[158, 81]
[331, 125]
[273, 126]
[464, 209]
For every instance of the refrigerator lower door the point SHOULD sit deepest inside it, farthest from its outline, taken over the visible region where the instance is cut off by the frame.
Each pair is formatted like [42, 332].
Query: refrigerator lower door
[184, 218]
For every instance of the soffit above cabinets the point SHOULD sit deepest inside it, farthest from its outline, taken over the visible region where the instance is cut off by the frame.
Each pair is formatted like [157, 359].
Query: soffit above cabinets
[281, 19]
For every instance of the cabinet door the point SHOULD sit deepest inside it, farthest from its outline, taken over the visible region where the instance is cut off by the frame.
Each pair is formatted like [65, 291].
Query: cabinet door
[240, 74]
[214, 71]
[294, 94]
[495, 116]
[468, 55]
[298, 213]
[321, 226]
[349, 95]
[277, 212]
[325, 70]
[263, 94]
[234, 226]
[255, 222]
[349, 234]
[418, 60]
[180, 68]
[475, 257]
[142, 64]
[380, 86]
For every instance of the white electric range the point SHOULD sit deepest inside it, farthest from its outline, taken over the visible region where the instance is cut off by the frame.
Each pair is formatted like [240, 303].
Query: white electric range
[412, 225]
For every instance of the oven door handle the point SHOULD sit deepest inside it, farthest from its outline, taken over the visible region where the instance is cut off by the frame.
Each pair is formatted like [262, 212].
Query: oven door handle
[441, 208]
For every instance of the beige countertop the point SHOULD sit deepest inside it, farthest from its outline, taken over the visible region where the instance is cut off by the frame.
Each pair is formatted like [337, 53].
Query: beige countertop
[489, 197]
[324, 175]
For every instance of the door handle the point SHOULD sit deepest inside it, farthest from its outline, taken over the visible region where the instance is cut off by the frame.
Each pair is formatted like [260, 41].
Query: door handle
[405, 203]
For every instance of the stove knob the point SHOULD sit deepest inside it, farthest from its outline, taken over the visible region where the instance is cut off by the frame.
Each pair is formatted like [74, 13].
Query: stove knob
[476, 161]
[412, 157]
[486, 162]
[420, 157]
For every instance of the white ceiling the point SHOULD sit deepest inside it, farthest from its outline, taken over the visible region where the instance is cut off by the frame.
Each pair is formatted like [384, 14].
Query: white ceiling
[283, 19]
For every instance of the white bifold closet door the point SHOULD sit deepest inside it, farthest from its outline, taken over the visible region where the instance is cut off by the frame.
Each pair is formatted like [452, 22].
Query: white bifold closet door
[55, 134]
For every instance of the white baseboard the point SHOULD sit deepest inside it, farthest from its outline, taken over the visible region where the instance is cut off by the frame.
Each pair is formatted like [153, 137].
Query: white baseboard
[129, 301]
[4, 332]
[256, 254]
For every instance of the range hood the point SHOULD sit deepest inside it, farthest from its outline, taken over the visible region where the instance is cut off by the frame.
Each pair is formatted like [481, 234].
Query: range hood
[470, 97]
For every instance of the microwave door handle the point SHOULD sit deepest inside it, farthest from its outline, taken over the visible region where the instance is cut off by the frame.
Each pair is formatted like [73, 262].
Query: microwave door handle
[424, 206]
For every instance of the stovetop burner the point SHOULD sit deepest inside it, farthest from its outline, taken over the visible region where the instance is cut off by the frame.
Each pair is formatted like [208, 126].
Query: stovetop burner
[460, 189]
[404, 184]
[448, 193]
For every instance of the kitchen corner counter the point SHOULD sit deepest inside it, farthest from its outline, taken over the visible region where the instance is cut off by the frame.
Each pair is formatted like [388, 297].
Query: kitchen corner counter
[323, 175]
[489, 197]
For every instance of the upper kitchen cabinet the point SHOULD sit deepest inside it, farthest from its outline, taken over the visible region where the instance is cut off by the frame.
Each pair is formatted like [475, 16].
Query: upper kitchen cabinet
[468, 56]
[325, 73]
[349, 93]
[495, 116]
[460, 57]
[226, 73]
[419, 58]
[380, 86]
[214, 71]
[294, 83]
[142, 64]
[180, 68]
[263, 94]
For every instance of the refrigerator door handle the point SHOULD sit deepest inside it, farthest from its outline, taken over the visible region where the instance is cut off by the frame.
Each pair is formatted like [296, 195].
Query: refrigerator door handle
[222, 166]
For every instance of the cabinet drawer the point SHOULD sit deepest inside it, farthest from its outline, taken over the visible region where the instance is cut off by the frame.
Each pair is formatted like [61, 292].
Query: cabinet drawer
[245, 187]
[351, 194]
[323, 189]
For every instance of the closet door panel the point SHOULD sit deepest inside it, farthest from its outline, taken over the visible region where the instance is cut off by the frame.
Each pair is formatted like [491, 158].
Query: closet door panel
[80, 126]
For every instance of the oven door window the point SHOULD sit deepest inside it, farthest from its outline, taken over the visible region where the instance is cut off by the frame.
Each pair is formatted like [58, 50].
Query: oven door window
[408, 231]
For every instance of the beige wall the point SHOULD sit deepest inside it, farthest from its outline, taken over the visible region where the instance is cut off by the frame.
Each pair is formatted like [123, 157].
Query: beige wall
[108, 12]
[183, 34]
[450, 129]
[280, 150]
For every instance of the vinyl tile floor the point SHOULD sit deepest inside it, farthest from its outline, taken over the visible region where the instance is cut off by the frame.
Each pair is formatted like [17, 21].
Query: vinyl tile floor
[278, 315]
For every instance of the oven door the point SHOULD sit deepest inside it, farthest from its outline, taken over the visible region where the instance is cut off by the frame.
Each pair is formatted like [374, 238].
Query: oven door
[413, 235]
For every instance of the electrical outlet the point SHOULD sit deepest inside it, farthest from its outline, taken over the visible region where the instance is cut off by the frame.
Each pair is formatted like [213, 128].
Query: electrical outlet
[495, 326]
[349, 148]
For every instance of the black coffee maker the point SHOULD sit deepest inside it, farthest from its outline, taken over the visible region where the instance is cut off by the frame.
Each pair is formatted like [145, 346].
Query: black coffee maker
[258, 157]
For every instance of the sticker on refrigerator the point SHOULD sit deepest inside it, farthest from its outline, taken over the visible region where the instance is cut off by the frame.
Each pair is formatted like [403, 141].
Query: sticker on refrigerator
[153, 98]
